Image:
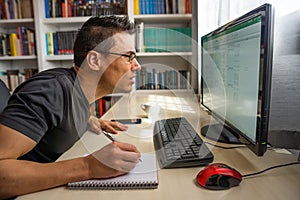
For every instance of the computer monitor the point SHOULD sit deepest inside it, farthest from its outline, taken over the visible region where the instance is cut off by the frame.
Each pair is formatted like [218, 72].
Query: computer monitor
[236, 73]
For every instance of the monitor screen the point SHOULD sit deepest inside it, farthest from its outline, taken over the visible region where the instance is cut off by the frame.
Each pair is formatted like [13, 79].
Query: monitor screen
[236, 79]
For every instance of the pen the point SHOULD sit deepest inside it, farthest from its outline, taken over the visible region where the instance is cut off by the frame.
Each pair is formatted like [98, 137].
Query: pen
[108, 135]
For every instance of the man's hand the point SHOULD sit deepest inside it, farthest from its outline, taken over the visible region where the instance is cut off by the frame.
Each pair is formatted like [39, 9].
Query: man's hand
[113, 160]
[96, 125]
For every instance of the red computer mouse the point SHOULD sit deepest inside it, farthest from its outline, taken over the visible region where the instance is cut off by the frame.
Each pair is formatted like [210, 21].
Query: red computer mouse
[218, 176]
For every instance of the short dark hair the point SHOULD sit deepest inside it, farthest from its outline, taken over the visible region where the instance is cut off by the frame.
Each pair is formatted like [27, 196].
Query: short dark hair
[96, 30]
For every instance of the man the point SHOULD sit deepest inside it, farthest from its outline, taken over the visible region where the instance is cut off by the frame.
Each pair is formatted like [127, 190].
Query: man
[47, 114]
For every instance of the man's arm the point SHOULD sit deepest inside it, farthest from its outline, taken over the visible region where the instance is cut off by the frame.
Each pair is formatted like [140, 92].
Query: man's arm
[21, 177]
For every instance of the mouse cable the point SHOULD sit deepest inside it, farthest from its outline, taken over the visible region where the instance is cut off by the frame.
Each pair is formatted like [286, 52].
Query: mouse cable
[273, 167]
[222, 147]
[233, 147]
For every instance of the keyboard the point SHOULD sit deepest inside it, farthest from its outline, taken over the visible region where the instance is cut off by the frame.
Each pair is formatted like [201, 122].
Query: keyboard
[177, 144]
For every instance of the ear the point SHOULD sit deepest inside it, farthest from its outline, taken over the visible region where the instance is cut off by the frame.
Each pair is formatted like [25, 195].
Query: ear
[93, 60]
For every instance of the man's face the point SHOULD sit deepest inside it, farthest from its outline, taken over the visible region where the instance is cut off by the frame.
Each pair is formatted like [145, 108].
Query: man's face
[120, 74]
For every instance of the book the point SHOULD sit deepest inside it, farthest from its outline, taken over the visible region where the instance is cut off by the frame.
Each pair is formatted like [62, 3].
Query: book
[143, 176]
[12, 78]
[14, 41]
[140, 37]
[26, 7]
[50, 46]
[136, 7]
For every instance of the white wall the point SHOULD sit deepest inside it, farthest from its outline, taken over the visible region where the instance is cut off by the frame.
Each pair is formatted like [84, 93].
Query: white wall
[214, 13]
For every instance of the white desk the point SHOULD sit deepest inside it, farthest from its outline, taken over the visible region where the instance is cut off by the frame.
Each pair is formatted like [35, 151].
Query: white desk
[282, 183]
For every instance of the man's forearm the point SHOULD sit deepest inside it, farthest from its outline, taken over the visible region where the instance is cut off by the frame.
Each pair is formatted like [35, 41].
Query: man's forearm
[21, 177]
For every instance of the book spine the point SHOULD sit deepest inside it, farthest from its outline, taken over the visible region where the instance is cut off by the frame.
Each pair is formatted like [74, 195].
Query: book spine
[138, 80]
[70, 8]
[3, 11]
[1, 44]
[181, 6]
[188, 6]
[7, 9]
[153, 81]
[47, 10]
[32, 42]
[18, 5]
[7, 44]
[50, 44]
[26, 8]
[136, 10]
[13, 79]
[13, 44]
[100, 107]
[95, 109]
[55, 45]
[140, 37]
[22, 40]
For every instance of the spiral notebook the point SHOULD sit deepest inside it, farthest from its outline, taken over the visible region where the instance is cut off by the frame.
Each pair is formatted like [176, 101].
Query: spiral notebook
[143, 176]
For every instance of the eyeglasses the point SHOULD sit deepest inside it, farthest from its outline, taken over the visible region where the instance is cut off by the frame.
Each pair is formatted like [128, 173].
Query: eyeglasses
[130, 56]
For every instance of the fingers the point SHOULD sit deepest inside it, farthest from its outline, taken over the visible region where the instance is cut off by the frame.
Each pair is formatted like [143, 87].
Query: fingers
[113, 159]
[96, 129]
[112, 127]
[127, 147]
[129, 155]
[127, 166]
[94, 125]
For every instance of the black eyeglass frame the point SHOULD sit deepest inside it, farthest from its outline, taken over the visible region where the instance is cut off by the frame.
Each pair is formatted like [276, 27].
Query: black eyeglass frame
[130, 56]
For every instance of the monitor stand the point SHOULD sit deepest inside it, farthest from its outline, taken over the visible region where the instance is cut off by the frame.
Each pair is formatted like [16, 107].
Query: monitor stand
[220, 133]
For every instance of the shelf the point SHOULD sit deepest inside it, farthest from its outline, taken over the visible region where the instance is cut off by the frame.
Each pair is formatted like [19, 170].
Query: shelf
[18, 57]
[70, 57]
[13, 21]
[164, 17]
[66, 20]
[153, 18]
[164, 54]
[59, 57]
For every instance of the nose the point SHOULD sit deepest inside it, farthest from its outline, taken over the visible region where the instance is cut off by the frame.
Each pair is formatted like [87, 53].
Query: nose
[135, 65]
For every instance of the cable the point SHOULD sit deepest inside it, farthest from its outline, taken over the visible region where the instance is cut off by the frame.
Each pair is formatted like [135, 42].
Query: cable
[222, 147]
[273, 167]
[259, 172]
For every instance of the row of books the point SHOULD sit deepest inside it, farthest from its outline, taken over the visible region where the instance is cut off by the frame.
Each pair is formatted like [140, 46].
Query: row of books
[18, 44]
[16, 9]
[60, 42]
[163, 39]
[152, 79]
[13, 77]
[142, 7]
[102, 105]
[72, 8]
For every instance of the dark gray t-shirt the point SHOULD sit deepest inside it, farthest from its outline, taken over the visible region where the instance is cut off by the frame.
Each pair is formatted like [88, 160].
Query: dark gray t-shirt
[52, 110]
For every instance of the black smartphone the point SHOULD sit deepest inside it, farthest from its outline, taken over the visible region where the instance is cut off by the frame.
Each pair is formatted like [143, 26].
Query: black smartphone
[128, 121]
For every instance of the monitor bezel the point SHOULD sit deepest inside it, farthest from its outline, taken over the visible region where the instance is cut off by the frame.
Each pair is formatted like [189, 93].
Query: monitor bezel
[266, 11]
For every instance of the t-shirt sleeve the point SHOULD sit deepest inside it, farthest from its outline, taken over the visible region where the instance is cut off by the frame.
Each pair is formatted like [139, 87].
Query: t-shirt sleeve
[35, 107]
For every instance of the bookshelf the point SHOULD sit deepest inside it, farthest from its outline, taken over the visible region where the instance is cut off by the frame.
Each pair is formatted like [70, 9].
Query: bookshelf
[17, 45]
[172, 25]
[42, 24]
